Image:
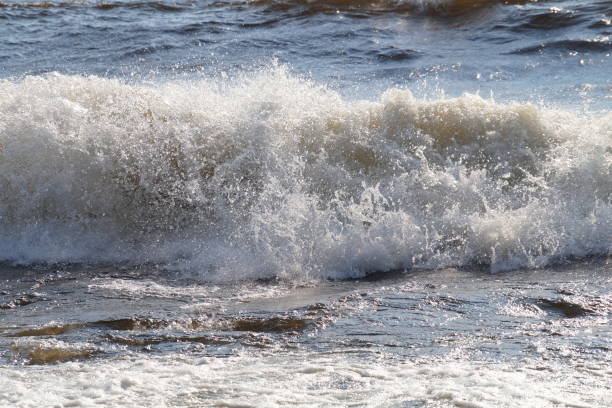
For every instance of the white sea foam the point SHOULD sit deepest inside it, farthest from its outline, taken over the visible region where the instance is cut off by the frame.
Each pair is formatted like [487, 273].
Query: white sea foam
[273, 175]
[137, 289]
[318, 381]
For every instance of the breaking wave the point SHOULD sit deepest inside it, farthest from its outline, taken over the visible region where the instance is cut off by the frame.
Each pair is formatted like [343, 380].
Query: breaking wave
[274, 175]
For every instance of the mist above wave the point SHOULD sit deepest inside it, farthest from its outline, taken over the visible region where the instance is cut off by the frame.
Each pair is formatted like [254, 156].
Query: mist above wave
[274, 175]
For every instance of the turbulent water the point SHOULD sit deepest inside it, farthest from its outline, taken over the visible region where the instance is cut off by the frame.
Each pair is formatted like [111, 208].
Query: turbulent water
[277, 176]
[318, 203]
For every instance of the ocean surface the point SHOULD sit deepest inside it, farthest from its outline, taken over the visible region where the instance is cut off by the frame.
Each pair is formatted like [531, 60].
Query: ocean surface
[310, 203]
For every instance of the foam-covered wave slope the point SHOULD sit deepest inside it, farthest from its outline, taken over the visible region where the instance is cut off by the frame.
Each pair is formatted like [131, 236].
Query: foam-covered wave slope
[273, 175]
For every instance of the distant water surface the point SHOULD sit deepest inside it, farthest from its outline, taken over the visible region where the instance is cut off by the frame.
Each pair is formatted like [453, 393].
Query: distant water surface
[558, 50]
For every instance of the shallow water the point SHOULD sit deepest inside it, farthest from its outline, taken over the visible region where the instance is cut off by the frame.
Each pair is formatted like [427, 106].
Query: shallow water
[316, 203]
[445, 338]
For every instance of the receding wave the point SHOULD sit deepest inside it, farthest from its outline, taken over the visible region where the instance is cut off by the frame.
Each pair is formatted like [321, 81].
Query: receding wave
[273, 175]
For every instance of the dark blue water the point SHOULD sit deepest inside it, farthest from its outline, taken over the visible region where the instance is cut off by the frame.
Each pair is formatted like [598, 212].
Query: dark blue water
[552, 51]
[393, 134]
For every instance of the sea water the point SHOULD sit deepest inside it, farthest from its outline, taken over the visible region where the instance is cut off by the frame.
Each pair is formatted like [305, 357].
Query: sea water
[309, 203]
